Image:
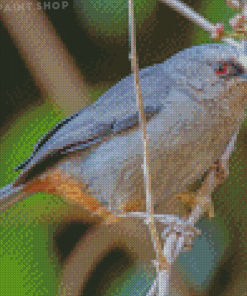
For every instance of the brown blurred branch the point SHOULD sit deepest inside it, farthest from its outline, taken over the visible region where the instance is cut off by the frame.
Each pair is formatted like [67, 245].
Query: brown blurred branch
[45, 54]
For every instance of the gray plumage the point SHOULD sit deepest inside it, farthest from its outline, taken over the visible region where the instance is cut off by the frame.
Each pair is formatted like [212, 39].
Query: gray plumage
[188, 103]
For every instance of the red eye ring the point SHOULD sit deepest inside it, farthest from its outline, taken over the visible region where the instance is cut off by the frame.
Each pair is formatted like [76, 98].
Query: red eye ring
[222, 71]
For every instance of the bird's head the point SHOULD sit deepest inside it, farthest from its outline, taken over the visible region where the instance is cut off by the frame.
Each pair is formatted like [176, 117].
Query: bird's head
[213, 74]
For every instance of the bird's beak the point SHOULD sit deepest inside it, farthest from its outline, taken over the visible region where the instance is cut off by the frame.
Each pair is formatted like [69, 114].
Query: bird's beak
[242, 59]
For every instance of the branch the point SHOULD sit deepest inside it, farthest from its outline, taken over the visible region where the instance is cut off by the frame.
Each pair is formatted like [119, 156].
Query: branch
[45, 55]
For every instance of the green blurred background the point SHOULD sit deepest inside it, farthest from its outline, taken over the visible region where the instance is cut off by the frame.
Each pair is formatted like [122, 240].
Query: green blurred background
[33, 247]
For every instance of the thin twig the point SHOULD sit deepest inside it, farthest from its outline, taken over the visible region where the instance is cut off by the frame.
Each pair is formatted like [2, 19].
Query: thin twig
[142, 119]
[188, 12]
[216, 31]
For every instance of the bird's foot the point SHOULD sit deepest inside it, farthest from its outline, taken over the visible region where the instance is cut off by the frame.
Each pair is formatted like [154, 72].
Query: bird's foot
[192, 198]
[188, 200]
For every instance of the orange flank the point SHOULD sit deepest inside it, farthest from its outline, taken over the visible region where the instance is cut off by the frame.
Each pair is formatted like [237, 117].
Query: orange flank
[59, 184]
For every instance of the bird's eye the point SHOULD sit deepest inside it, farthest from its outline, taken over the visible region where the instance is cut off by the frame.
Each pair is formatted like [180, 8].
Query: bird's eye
[222, 69]
[227, 69]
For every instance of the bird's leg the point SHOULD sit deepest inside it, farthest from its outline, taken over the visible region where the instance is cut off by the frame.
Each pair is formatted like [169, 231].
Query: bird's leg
[222, 165]
[221, 170]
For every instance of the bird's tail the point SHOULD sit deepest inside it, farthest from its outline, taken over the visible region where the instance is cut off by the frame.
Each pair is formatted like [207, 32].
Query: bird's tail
[55, 183]
[10, 194]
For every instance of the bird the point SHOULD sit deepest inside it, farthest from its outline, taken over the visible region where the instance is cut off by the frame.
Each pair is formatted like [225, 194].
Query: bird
[194, 104]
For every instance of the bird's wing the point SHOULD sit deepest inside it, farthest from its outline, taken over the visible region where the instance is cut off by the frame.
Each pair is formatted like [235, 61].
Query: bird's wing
[114, 112]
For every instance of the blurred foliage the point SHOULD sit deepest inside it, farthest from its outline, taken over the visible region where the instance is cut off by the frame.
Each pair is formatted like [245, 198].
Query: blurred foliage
[27, 263]
[109, 19]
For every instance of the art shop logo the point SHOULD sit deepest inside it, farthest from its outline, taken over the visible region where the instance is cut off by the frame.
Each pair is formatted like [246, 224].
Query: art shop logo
[15, 7]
